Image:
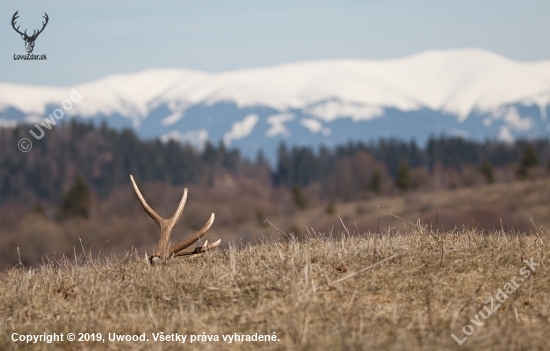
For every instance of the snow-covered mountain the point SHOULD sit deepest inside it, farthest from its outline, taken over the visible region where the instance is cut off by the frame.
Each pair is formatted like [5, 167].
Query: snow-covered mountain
[467, 92]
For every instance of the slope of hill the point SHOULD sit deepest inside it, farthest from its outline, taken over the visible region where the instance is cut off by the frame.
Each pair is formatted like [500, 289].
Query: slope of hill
[468, 92]
[417, 290]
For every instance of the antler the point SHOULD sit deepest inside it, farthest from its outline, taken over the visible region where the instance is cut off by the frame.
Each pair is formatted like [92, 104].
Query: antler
[43, 25]
[167, 225]
[13, 19]
[34, 33]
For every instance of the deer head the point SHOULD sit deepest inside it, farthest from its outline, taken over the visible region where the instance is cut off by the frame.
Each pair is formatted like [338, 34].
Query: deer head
[29, 40]
[166, 225]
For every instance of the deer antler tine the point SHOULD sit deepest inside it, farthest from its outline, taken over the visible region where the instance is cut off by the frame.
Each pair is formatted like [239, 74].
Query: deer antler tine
[169, 224]
[190, 241]
[13, 23]
[179, 211]
[44, 23]
[200, 249]
[214, 244]
[146, 207]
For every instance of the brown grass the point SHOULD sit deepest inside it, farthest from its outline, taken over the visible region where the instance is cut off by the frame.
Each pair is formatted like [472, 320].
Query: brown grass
[120, 224]
[512, 206]
[295, 289]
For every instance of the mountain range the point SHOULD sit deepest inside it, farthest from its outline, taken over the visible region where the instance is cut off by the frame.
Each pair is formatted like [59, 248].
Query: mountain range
[470, 93]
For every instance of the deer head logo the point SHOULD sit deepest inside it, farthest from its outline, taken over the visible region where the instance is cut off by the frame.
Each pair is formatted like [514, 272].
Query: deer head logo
[29, 40]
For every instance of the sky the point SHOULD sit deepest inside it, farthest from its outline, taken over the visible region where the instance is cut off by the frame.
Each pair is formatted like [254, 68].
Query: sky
[87, 40]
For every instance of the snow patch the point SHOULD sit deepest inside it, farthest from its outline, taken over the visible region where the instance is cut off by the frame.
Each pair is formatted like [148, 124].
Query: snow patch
[505, 135]
[313, 125]
[195, 138]
[33, 119]
[542, 101]
[328, 111]
[6, 123]
[241, 129]
[173, 118]
[277, 123]
[512, 118]
[543, 113]
[459, 133]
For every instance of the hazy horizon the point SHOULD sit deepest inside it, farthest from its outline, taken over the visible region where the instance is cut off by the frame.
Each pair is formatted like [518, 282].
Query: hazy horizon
[91, 40]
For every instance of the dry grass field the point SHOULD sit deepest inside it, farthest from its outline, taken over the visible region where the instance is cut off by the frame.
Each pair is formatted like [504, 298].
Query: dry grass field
[512, 206]
[318, 293]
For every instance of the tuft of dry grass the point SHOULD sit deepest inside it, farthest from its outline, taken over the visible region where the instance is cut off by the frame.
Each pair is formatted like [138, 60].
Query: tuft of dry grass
[320, 293]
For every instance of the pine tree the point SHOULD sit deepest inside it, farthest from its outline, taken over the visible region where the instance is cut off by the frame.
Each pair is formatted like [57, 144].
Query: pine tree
[39, 209]
[403, 180]
[76, 201]
[283, 172]
[376, 182]
[530, 160]
[487, 171]
[298, 196]
[260, 159]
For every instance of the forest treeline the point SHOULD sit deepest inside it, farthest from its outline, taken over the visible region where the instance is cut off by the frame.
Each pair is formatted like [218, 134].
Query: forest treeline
[388, 165]
[104, 158]
[72, 189]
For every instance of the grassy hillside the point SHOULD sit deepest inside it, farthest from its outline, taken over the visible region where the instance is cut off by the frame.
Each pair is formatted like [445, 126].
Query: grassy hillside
[508, 206]
[518, 206]
[305, 293]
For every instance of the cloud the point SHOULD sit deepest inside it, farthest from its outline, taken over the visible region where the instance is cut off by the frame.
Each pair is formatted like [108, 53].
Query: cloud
[241, 129]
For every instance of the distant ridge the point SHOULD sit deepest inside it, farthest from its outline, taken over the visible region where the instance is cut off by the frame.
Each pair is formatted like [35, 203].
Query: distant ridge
[469, 92]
